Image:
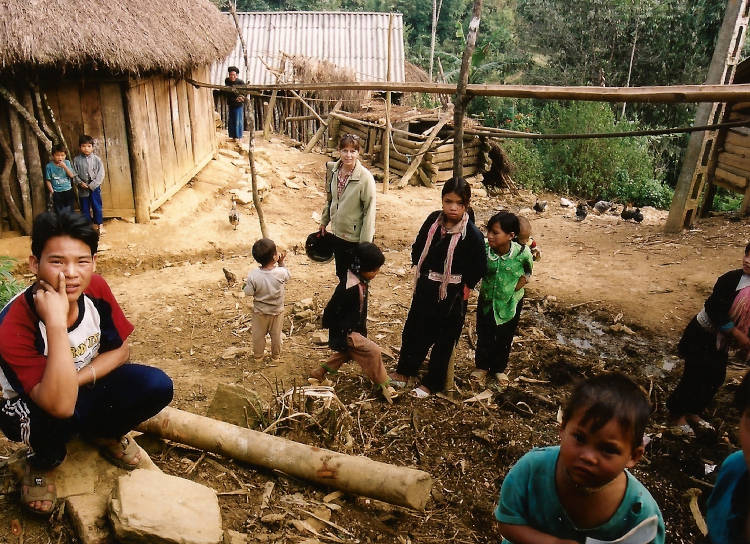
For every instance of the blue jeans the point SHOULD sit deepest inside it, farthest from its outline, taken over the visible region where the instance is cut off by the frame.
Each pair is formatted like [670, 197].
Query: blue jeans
[118, 402]
[236, 122]
[93, 203]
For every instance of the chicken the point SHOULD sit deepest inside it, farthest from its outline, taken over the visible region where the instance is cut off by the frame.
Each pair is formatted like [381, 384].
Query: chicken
[229, 275]
[234, 215]
[628, 212]
[582, 210]
[602, 206]
[540, 206]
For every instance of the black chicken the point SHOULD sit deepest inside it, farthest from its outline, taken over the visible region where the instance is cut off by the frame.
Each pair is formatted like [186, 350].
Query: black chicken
[540, 206]
[628, 212]
[582, 210]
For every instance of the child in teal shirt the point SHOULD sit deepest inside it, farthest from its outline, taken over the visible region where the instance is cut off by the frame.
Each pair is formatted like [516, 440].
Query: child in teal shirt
[728, 507]
[509, 266]
[582, 489]
[59, 176]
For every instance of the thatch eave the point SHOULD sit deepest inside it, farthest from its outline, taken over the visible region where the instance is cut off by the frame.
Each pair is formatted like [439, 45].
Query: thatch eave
[120, 37]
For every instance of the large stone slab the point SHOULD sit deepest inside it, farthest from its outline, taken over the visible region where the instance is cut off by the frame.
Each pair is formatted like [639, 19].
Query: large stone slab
[88, 513]
[156, 508]
[236, 405]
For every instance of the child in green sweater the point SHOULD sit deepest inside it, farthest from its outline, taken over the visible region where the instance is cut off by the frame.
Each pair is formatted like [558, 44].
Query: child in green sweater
[509, 267]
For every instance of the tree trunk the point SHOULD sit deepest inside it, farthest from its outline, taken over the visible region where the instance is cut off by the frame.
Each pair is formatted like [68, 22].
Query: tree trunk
[33, 161]
[351, 473]
[13, 208]
[630, 66]
[16, 136]
[462, 99]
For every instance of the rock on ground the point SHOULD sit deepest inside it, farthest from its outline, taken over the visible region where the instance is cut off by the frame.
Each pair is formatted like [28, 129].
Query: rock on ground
[236, 405]
[156, 508]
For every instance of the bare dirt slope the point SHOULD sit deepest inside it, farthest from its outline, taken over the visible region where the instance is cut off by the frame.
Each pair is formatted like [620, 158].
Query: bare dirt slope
[593, 274]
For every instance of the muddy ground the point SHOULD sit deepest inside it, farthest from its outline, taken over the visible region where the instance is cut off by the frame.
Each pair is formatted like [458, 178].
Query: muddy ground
[607, 295]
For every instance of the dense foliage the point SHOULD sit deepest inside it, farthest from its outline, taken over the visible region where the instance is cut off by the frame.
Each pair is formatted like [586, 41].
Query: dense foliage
[9, 286]
[567, 42]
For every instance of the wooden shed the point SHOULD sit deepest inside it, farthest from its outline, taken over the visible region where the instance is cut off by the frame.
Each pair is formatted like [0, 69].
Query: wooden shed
[115, 70]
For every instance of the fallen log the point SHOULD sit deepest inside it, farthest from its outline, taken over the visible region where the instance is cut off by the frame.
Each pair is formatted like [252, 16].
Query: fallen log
[354, 474]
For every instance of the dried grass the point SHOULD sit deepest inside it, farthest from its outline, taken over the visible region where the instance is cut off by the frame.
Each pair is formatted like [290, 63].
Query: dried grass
[118, 36]
[311, 70]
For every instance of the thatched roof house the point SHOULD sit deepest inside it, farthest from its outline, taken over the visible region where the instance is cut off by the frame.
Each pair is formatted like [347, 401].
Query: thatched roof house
[112, 69]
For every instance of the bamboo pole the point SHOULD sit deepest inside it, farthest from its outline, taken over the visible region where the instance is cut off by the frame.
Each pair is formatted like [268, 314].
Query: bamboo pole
[387, 134]
[272, 104]
[462, 97]
[321, 129]
[13, 208]
[665, 94]
[39, 193]
[354, 474]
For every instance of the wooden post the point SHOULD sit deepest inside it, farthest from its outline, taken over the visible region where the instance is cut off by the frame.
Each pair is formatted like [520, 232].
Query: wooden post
[354, 474]
[135, 99]
[268, 119]
[387, 135]
[16, 136]
[321, 130]
[462, 99]
[693, 171]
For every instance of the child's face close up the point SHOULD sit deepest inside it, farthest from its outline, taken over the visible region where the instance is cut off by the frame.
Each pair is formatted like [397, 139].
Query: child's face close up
[454, 207]
[591, 459]
[498, 239]
[70, 256]
[58, 157]
[86, 149]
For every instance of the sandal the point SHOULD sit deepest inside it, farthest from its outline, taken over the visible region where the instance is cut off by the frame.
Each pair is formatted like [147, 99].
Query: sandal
[398, 384]
[419, 393]
[123, 453]
[38, 486]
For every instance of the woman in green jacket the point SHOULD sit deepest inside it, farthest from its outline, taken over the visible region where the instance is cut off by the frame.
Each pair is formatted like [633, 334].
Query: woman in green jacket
[349, 213]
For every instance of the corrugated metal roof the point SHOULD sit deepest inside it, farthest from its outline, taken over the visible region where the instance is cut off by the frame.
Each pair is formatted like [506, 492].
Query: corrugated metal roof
[351, 40]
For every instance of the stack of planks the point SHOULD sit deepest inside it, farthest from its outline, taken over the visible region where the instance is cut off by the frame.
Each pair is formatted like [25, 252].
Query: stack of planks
[733, 160]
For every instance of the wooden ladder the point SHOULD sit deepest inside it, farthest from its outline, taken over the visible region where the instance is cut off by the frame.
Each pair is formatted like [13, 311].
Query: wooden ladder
[713, 114]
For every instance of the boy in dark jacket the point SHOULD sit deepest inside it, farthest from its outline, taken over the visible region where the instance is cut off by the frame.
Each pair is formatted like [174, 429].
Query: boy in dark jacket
[345, 317]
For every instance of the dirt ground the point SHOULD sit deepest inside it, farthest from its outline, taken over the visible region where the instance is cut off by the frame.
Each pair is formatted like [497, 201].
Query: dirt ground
[607, 294]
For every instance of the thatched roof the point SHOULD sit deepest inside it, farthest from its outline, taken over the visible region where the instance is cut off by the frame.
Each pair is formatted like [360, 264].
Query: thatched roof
[119, 36]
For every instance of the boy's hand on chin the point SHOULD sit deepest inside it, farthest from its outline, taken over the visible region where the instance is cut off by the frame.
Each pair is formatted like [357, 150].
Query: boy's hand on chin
[52, 304]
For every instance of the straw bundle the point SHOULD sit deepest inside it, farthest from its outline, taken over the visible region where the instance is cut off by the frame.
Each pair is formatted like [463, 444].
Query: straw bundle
[311, 70]
[119, 36]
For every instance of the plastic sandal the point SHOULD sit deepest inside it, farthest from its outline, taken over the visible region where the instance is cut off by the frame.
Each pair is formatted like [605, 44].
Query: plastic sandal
[419, 393]
[35, 486]
[399, 384]
[125, 453]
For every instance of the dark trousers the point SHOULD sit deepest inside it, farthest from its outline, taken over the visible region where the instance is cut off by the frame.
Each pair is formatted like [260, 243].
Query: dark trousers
[235, 122]
[93, 203]
[63, 200]
[494, 341]
[431, 323]
[705, 370]
[118, 402]
[342, 252]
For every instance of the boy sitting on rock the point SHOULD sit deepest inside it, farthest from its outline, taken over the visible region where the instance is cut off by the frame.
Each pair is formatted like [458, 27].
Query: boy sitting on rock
[63, 354]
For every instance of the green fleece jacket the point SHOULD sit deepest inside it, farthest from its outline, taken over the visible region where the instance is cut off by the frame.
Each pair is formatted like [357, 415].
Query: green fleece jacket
[352, 217]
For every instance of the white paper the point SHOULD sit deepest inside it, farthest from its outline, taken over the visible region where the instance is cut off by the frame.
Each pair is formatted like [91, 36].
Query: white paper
[643, 533]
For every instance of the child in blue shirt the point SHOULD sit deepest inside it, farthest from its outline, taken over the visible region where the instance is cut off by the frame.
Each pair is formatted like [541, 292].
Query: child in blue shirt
[581, 488]
[501, 295]
[59, 175]
[728, 506]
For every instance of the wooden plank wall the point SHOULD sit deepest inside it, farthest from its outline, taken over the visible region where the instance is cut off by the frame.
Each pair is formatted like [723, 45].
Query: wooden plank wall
[97, 109]
[175, 126]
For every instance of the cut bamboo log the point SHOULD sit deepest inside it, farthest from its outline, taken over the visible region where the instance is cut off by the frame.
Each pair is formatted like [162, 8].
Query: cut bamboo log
[445, 155]
[425, 178]
[16, 136]
[738, 161]
[449, 146]
[397, 165]
[737, 150]
[736, 170]
[39, 193]
[733, 180]
[404, 142]
[423, 149]
[348, 128]
[448, 163]
[738, 139]
[445, 175]
[353, 474]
